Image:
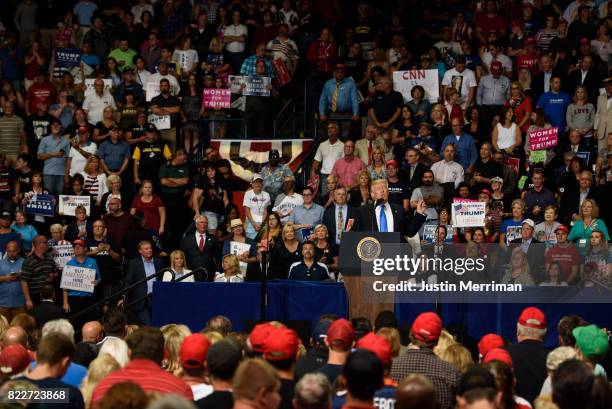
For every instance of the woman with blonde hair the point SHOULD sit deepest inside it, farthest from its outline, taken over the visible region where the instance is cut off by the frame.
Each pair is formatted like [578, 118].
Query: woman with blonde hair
[98, 369]
[95, 182]
[360, 194]
[113, 184]
[328, 199]
[102, 129]
[326, 251]
[458, 356]
[440, 126]
[392, 336]
[231, 270]
[586, 223]
[518, 271]
[286, 252]
[521, 105]
[377, 168]
[446, 339]
[177, 264]
[174, 334]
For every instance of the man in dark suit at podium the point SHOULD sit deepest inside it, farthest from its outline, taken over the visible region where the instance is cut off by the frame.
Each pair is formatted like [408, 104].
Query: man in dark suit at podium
[201, 249]
[339, 214]
[383, 216]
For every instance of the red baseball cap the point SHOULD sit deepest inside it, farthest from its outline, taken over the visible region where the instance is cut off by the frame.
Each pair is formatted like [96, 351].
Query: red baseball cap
[79, 242]
[585, 41]
[486, 192]
[341, 333]
[14, 359]
[562, 228]
[83, 129]
[533, 317]
[281, 344]
[392, 162]
[427, 326]
[377, 344]
[497, 67]
[194, 350]
[498, 354]
[259, 335]
[489, 342]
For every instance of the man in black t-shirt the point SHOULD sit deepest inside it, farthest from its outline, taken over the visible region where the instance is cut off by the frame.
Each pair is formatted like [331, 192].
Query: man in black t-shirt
[23, 173]
[386, 105]
[166, 104]
[37, 126]
[398, 190]
[8, 185]
[148, 157]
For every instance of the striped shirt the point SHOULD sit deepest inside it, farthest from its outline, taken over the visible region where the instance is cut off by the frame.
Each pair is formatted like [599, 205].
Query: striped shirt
[35, 271]
[10, 135]
[148, 375]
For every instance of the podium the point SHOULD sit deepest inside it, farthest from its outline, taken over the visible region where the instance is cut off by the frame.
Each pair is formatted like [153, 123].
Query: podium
[352, 263]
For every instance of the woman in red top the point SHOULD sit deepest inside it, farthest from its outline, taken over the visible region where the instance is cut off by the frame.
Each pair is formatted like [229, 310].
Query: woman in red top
[323, 53]
[35, 60]
[521, 105]
[151, 206]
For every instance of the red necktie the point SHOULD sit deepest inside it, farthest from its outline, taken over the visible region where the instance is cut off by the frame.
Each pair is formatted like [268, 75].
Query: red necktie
[201, 245]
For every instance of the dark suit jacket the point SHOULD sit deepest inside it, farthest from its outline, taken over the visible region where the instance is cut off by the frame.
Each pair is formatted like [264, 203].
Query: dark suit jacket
[366, 220]
[537, 85]
[72, 231]
[404, 176]
[329, 220]
[136, 272]
[535, 258]
[47, 311]
[570, 202]
[591, 82]
[197, 258]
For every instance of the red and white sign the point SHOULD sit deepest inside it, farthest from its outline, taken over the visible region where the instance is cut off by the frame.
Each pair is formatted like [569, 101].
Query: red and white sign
[216, 98]
[282, 73]
[543, 139]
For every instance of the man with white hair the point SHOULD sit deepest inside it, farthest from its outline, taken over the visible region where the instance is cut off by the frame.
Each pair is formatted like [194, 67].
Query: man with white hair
[75, 373]
[312, 392]
[529, 354]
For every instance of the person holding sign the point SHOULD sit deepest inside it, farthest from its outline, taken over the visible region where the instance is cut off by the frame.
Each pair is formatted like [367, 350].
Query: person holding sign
[79, 278]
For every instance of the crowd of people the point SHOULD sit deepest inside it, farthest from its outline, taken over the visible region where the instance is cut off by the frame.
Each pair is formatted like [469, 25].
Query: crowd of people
[106, 167]
[344, 364]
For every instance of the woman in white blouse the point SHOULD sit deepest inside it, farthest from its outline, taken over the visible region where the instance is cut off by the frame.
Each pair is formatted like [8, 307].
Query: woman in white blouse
[507, 134]
[231, 270]
[177, 264]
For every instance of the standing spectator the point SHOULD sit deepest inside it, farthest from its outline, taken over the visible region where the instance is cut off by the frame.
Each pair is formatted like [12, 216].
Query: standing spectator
[284, 48]
[255, 205]
[537, 198]
[347, 167]
[448, 173]
[306, 216]
[339, 96]
[96, 102]
[529, 354]
[323, 53]
[582, 27]
[603, 117]
[234, 38]
[117, 221]
[152, 207]
[386, 105]
[327, 154]
[493, 90]
[339, 341]
[494, 53]
[221, 362]
[585, 76]
[420, 359]
[54, 150]
[288, 200]
[274, 174]
[12, 134]
[464, 146]
[167, 104]
[249, 64]
[430, 192]
[286, 251]
[25, 22]
[124, 55]
[12, 301]
[574, 196]
[138, 268]
[174, 177]
[521, 104]
[511, 228]
[545, 36]
[580, 117]
[337, 218]
[200, 249]
[489, 21]
[507, 134]
[485, 168]
[463, 80]
[364, 376]
[80, 152]
[201, 35]
[37, 270]
[258, 109]
[163, 73]
[148, 157]
[555, 103]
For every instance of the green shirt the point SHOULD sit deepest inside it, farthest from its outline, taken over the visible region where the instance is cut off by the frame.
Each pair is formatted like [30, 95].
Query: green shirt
[167, 170]
[125, 56]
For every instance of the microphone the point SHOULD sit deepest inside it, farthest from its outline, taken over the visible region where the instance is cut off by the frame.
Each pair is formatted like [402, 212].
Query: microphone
[379, 202]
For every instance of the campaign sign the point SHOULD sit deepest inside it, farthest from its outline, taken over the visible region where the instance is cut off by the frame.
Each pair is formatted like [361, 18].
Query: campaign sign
[404, 81]
[161, 122]
[152, 90]
[240, 248]
[235, 83]
[68, 204]
[257, 86]
[282, 73]
[514, 164]
[185, 59]
[216, 98]
[468, 213]
[78, 279]
[543, 139]
[61, 254]
[40, 205]
[429, 232]
[89, 85]
[67, 57]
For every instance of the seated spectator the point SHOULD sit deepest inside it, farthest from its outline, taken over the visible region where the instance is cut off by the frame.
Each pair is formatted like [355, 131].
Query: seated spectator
[545, 230]
[511, 228]
[308, 269]
[98, 369]
[377, 167]
[598, 257]
[587, 222]
[231, 270]
[239, 245]
[178, 266]
[553, 276]
[518, 271]
[453, 109]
